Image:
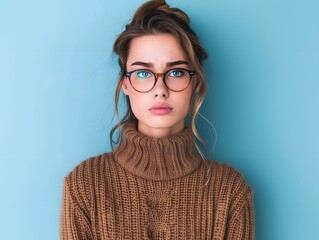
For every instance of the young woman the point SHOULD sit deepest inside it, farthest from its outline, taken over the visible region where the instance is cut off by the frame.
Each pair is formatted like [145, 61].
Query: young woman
[156, 183]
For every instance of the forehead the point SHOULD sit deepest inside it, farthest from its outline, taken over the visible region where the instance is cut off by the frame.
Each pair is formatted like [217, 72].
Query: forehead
[155, 48]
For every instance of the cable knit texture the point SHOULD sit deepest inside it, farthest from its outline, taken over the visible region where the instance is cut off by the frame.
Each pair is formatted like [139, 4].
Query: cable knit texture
[152, 188]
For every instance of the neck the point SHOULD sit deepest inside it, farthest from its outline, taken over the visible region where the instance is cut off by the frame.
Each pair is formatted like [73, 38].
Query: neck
[157, 158]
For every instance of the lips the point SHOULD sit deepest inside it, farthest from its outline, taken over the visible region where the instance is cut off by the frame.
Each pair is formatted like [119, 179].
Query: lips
[161, 108]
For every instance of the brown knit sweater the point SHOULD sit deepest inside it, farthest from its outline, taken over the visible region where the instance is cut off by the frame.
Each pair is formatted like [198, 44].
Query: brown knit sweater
[151, 188]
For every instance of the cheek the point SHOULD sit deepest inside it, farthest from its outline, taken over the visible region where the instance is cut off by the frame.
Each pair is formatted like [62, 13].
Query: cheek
[137, 103]
[187, 107]
[185, 102]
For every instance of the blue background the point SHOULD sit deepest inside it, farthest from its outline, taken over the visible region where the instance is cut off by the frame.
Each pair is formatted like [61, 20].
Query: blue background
[57, 80]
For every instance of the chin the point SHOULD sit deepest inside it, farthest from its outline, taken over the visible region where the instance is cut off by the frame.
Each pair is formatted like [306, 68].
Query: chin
[163, 123]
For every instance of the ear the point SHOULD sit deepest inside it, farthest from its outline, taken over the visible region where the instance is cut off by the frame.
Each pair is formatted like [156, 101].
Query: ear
[197, 86]
[124, 87]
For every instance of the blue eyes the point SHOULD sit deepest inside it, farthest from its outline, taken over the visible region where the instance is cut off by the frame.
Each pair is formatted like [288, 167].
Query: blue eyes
[143, 74]
[174, 73]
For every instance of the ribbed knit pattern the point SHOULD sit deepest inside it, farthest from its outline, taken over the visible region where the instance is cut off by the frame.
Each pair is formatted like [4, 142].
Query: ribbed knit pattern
[152, 188]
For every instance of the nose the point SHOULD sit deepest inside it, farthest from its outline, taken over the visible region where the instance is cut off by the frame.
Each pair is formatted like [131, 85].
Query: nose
[160, 89]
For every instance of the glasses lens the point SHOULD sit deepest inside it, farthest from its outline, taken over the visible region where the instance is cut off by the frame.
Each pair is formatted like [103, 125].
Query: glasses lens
[142, 80]
[177, 79]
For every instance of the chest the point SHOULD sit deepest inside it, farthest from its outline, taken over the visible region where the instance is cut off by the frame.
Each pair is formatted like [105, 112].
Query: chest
[139, 209]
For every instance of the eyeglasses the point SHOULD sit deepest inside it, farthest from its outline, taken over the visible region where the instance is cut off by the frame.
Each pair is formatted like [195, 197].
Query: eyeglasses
[144, 80]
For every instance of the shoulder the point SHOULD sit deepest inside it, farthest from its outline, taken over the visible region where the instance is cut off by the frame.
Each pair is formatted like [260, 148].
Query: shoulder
[228, 180]
[88, 167]
[226, 172]
[81, 181]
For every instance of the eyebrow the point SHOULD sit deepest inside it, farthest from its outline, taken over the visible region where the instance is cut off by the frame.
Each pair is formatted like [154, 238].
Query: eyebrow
[144, 64]
[180, 62]
[169, 64]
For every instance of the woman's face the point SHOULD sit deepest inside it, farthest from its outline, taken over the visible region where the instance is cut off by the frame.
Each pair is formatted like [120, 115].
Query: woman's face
[160, 112]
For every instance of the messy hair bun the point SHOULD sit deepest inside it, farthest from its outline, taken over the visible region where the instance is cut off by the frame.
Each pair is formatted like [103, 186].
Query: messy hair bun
[157, 17]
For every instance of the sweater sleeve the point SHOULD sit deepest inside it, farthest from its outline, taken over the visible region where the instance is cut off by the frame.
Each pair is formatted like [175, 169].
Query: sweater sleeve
[75, 223]
[241, 222]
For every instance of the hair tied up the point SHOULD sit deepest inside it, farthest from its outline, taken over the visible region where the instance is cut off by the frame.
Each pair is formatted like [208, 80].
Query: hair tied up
[159, 6]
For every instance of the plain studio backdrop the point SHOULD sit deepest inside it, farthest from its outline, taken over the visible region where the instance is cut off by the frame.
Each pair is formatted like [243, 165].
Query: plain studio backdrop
[57, 83]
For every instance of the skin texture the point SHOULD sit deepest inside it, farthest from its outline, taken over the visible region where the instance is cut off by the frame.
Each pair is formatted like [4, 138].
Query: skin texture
[157, 51]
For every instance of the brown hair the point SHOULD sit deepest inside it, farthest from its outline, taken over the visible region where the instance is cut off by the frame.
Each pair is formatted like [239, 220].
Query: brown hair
[155, 17]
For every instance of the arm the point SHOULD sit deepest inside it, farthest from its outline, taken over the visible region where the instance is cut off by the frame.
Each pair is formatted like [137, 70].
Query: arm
[241, 223]
[75, 222]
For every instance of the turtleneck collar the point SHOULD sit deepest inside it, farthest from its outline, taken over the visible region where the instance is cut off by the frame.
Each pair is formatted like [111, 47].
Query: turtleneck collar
[157, 158]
